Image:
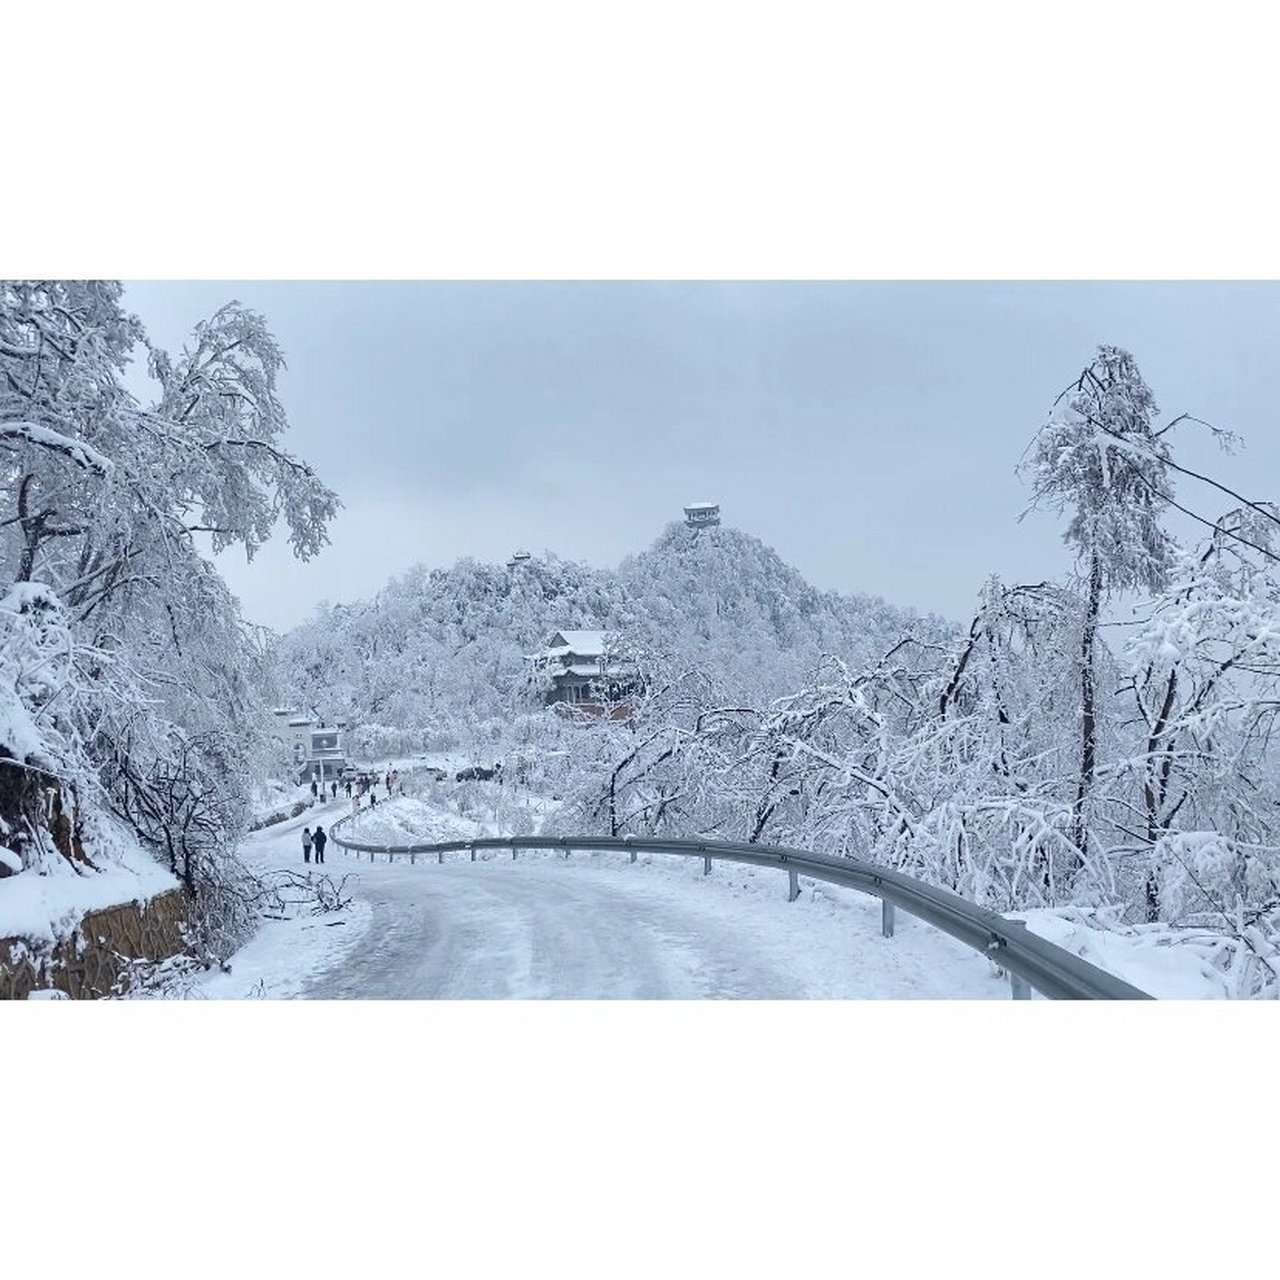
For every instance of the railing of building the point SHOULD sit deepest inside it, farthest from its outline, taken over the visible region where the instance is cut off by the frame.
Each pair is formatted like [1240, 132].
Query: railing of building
[1030, 961]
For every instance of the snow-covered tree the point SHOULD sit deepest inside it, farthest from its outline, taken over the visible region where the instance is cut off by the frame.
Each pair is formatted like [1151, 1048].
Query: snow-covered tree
[1206, 683]
[102, 500]
[1101, 458]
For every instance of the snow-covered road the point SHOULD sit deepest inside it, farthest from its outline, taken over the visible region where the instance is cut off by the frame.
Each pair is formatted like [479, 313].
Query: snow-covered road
[540, 929]
[595, 927]
[592, 926]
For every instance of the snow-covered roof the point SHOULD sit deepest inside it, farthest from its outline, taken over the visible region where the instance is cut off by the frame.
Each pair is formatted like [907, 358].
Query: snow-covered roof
[587, 644]
[701, 506]
[595, 669]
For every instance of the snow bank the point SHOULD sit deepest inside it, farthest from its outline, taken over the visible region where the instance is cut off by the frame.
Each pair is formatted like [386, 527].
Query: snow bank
[406, 820]
[48, 907]
[1151, 957]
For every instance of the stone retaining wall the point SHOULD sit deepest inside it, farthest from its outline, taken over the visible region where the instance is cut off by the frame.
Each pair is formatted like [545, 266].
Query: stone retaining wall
[89, 963]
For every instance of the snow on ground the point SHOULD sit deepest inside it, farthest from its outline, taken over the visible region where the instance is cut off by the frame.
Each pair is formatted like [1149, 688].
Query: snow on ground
[408, 819]
[594, 926]
[1152, 957]
[449, 761]
[48, 907]
[284, 954]
[272, 796]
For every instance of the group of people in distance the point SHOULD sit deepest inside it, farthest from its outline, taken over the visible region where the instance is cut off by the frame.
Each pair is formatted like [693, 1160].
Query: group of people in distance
[366, 784]
[317, 789]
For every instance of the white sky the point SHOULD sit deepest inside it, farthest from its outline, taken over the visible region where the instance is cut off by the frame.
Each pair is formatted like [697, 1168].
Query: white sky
[868, 431]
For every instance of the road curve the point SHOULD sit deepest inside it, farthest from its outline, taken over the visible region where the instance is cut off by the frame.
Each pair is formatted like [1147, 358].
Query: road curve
[596, 928]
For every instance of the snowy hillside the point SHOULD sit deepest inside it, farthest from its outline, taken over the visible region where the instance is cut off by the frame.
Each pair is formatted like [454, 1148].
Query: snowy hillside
[438, 652]
[722, 600]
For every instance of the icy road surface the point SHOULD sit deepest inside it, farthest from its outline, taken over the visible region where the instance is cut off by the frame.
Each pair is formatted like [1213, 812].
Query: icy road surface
[591, 926]
[546, 926]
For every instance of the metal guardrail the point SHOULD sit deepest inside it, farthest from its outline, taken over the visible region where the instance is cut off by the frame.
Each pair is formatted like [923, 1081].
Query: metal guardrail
[1030, 961]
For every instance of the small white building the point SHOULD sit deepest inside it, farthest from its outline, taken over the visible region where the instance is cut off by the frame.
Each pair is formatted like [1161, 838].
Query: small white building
[702, 515]
[318, 750]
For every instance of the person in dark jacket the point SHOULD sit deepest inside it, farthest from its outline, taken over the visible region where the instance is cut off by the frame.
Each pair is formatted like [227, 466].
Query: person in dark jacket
[319, 840]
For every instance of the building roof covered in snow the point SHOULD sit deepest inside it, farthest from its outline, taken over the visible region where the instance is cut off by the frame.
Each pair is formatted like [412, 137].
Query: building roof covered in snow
[584, 644]
[697, 514]
[583, 654]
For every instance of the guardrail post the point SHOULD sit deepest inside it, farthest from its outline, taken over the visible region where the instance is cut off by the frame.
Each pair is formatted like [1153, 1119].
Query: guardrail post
[1019, 987]
[793, 885]
[706, 865]
[370, 855]
[473, 853]
[513, 853]
[442, 857]
[886, 918]
[413, 857]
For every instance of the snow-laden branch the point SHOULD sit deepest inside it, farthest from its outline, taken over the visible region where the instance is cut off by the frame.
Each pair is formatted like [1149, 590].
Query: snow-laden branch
[80, 453]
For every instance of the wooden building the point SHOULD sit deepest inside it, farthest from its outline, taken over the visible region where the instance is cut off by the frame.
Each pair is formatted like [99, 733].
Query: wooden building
[583, 676]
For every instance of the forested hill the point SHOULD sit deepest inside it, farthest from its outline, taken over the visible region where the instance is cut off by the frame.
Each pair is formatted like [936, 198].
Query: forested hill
[437, 648]
[724, 601]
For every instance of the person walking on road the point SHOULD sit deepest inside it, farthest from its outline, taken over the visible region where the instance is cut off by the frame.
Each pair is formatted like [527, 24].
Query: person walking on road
[306, 844]
[320, 841]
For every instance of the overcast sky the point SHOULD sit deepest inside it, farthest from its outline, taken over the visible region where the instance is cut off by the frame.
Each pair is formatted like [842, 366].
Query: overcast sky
[869, 432]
